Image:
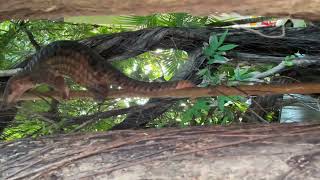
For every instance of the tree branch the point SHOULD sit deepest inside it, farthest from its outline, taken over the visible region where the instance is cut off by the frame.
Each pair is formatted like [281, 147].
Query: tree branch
[282, 66]
[244, 90]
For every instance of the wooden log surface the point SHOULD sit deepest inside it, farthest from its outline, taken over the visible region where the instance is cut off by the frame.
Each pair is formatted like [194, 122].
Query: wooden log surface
[35, 9]
[289, 151]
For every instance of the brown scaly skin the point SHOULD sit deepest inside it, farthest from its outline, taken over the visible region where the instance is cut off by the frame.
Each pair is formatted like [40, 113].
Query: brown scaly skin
[84, 66]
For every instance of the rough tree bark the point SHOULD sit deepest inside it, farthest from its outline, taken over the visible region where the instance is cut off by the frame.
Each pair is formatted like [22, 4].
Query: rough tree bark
[24, 9]
[236, 152]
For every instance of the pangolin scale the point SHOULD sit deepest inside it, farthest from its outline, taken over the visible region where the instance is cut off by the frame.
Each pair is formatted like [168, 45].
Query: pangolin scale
[85, 66]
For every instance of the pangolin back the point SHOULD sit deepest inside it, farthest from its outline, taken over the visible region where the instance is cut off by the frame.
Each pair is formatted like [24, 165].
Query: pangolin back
[86, 67]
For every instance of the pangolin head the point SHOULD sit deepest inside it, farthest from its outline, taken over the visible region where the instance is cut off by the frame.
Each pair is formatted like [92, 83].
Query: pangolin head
[16, 86]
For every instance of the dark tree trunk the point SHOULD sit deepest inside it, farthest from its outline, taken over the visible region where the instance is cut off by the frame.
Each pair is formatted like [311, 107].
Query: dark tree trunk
[242, 152]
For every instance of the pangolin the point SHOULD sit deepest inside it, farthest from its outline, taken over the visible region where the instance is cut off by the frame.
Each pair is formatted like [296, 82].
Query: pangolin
[84, 65]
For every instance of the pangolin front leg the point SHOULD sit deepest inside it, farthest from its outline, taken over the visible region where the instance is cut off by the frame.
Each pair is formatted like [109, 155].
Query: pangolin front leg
[62, 87]
[59, 84]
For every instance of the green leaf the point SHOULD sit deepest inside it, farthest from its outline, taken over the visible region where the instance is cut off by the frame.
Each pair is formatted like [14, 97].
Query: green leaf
[211, 61]
[227, 47]
[202, 72]
[288, 60]
[219, 59]
[213, 43]
[221, 101]
[228, 117]
[270, 116]
[241, 74]
[241, 106]
[213, 39]
[222, 38]
[222, 53]
[208, 52]
[225, 120]
[196, 111]
[288, 63]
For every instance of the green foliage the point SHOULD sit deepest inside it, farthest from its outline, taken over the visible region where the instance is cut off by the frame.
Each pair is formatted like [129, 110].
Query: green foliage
[223, 107]
[214, 51]
[288, 60]
[153, 65]
[167, 20]
[242, 74]
[196, 111]
[159, 64]
[270, 116]
[15, 45]
[209, 111]
[27, 124]
[172, 20]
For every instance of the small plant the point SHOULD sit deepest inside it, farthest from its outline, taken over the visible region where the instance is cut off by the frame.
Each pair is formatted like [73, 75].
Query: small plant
[215, 50]
[220, 110]
[288, 60]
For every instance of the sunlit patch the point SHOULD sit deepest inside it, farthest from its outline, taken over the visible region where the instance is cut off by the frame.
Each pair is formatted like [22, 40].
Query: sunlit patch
[134, 67]
[83, 112]
[164, 69]
[139, 101]
[158, 51]
[229, 103]
[148, 68]
[142, 101]
[126, 102]
[240, 119]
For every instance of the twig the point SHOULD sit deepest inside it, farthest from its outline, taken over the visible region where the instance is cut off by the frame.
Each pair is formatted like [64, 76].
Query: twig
[266, 36]
[282, 66]
[261, 119]
[34, 43]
